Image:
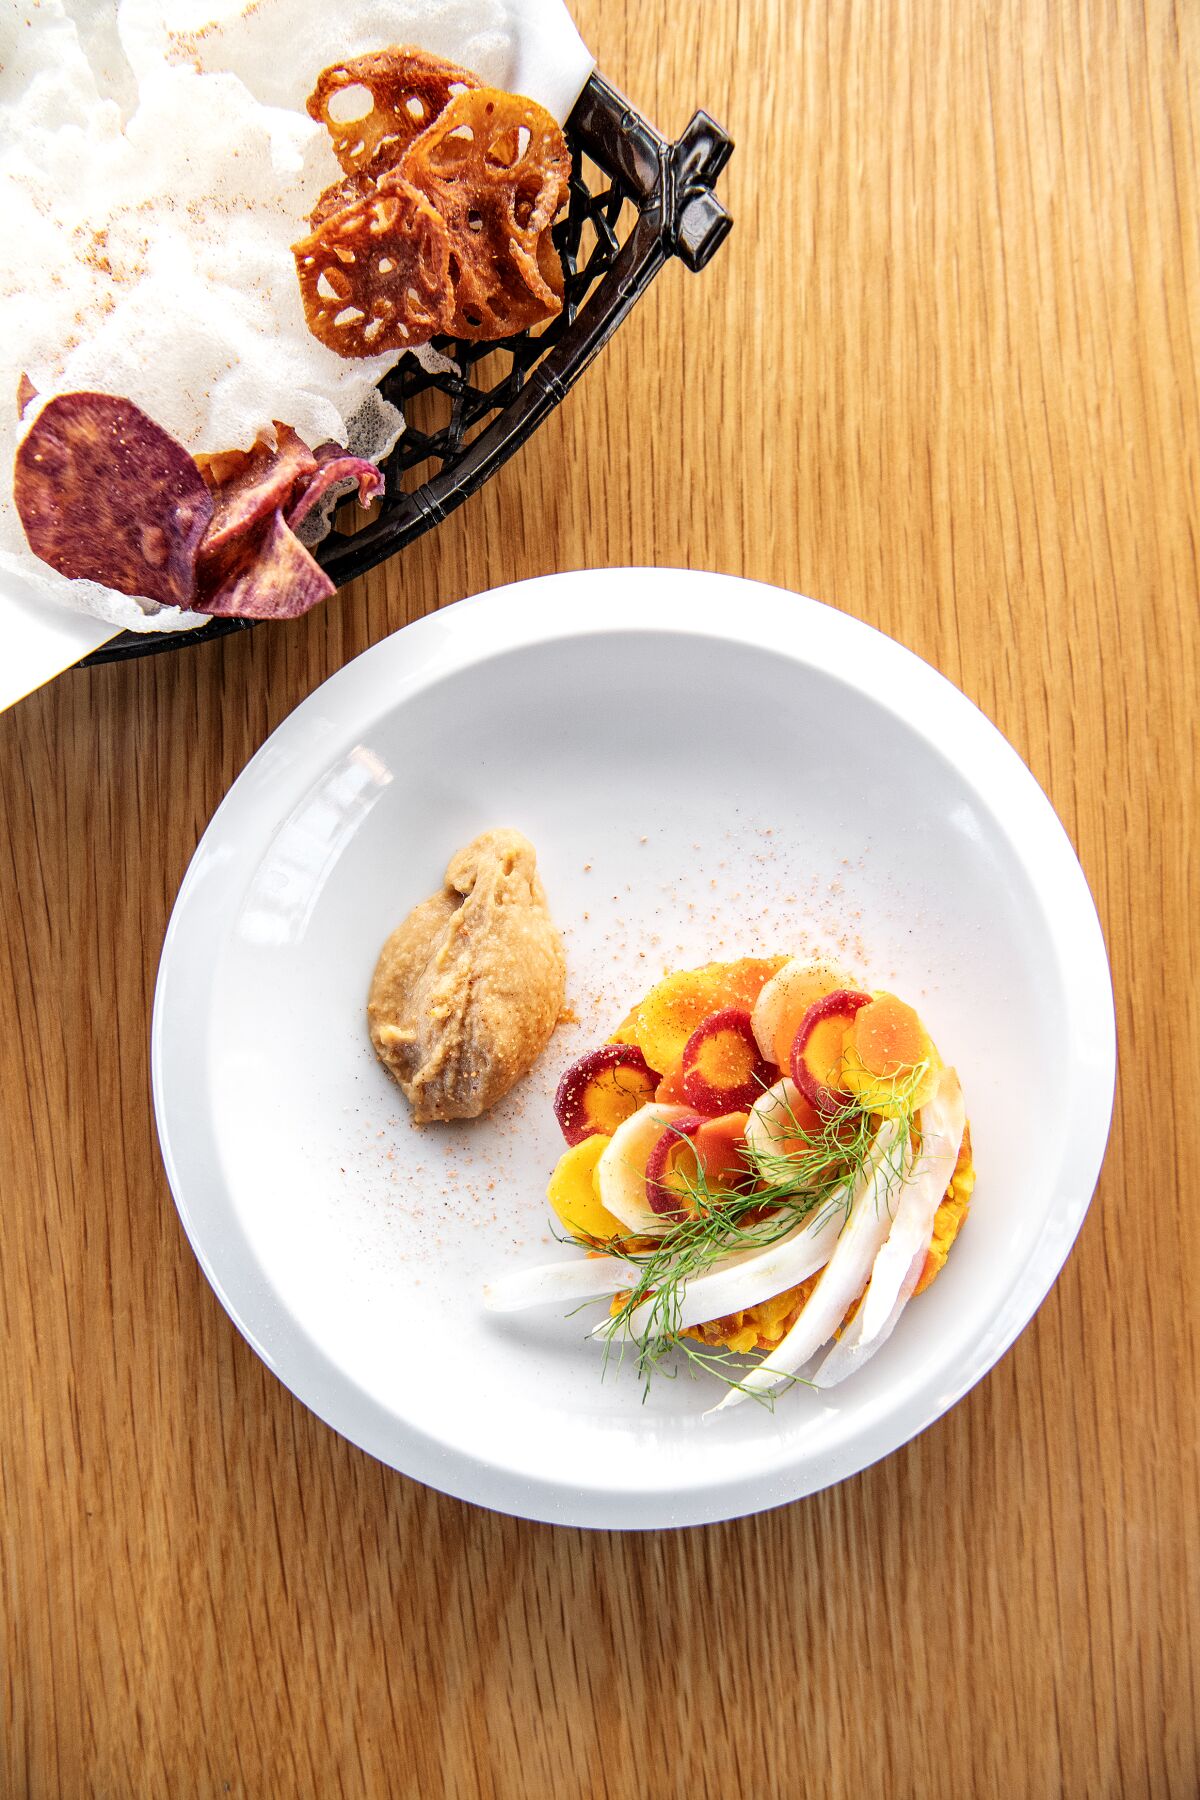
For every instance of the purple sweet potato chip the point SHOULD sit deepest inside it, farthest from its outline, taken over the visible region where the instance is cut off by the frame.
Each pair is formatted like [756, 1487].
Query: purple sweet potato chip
[25, 393]
[249, 485]
[335, 465]
[107, 495]
[273, 577]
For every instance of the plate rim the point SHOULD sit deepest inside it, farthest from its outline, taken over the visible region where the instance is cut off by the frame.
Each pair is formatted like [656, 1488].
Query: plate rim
[644, 598]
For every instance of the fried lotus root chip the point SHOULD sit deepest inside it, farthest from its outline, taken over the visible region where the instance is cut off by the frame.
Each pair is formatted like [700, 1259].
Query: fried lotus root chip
[496, 166]
[105, 494]
[375, 276]
[375, 105]
[341, 194]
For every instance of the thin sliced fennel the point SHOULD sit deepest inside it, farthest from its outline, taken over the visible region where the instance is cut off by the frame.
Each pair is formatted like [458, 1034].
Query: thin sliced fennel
[767, 1130]
[744, 1277]
[621, 1171]
[590, 1279]
[897, 1268]
[845, 1273]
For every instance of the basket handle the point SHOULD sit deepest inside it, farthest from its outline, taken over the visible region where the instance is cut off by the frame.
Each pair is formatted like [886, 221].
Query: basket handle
[673, 182]
[698, 223]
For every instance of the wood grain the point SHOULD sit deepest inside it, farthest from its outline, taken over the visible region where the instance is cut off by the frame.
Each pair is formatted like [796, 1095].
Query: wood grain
[944, 375]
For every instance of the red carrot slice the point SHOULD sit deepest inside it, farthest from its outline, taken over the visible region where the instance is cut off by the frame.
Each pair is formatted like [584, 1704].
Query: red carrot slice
[601, 1090]
[723, 1068]
[817, 1048]
[661, 1198]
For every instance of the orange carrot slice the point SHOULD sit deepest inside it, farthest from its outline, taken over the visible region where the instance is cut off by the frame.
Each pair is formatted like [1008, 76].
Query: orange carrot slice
[740, 983]
[889, 1037]
[669, 1091]
[720, 1151]
[885, 1047]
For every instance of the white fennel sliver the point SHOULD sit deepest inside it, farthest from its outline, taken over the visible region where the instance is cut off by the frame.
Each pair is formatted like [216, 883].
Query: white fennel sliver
[844, 1276]
[897, 1268]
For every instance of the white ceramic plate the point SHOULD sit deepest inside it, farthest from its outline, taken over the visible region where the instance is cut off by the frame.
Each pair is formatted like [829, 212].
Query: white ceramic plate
[708, 768]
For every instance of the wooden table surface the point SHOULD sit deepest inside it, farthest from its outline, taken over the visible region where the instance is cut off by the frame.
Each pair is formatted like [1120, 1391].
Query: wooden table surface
[944, 376]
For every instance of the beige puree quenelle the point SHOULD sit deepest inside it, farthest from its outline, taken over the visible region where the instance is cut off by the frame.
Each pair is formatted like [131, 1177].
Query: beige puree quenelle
[468, 989]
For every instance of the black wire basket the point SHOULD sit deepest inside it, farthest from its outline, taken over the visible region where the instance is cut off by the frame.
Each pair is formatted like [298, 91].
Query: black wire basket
[635, 201]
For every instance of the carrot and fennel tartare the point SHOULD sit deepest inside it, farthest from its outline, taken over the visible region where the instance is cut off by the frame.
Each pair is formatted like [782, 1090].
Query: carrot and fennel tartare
[763, 1158]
